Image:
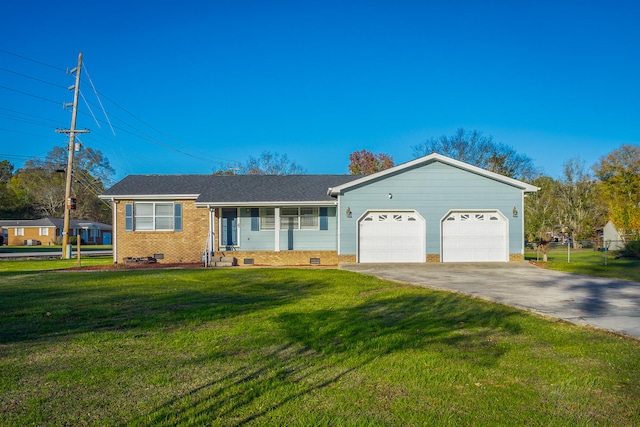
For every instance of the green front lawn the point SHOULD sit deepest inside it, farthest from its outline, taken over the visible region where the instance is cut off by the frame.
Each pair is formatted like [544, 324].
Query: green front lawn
[294, 347]
[9, 266]
[590, 262]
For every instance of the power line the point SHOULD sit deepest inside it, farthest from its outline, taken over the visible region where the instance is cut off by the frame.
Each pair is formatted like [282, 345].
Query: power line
[135, 131]
[98, 98]
[32, 60]
[161, 133]
[32, 78]
[30, 94]
[27, 114]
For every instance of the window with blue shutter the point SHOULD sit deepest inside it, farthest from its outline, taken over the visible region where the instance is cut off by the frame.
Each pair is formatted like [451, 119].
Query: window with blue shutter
[177, 217]
[128, 217]
[255, 219]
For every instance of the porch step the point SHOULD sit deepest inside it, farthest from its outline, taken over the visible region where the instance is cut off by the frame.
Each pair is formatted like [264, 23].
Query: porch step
[223, 261]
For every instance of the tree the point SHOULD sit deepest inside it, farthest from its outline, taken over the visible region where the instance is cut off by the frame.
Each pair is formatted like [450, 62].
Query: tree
[41, 188]
[619, 176]
[11, 206]
[6, 171]
[41, 184]
[364, 162]
[478, 150]
[270, 164]
[541, 213]
[580, 210]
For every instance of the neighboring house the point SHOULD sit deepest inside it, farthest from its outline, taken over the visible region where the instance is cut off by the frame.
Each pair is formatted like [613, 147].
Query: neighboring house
[47, 231]
[432, 209]
[612, 239]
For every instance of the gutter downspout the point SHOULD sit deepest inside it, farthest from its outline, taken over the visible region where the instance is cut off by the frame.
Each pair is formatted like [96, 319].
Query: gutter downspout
[211, 236]
[114, 230]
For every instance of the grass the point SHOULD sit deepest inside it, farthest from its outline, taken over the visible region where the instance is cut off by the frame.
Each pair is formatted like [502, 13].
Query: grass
[590, 262]
[8, 266]
[294, 347]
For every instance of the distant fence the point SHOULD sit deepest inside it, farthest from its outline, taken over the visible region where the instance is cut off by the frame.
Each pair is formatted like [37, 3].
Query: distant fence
[600, 251]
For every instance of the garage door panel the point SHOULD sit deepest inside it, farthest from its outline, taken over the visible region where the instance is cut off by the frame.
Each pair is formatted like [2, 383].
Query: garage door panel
[474, 237]
[391, 237]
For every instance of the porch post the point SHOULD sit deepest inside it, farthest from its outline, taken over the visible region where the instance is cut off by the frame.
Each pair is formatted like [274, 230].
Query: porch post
[276, 229]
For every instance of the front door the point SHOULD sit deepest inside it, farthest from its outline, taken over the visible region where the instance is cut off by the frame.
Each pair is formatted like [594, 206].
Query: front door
[229, 232]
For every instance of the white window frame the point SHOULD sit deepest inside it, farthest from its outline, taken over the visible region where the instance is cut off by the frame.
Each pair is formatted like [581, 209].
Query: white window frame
[151, 218]
[267, 219]
[304, 218]
[19, 231]
[310, 220]
[44, 231]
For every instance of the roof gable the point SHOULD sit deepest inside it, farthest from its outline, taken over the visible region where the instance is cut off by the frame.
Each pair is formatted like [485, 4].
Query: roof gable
[334, 191]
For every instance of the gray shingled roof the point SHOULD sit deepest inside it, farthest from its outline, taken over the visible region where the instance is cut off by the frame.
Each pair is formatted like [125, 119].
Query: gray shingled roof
[232, 188]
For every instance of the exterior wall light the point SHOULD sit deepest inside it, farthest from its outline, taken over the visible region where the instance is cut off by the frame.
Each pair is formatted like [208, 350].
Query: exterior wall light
[348, 212]
[515, 212]
[390, 196]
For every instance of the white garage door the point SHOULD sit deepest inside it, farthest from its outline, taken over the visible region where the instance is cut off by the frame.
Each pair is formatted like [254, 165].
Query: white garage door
[474, 237]
[392, 237]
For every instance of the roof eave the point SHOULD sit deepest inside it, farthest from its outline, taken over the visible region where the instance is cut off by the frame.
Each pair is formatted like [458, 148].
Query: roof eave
[148, 196]
[264, 204]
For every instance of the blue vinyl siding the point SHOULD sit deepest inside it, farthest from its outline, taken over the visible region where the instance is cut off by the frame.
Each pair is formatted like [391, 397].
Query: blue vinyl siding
[252, 239]
[432, 190]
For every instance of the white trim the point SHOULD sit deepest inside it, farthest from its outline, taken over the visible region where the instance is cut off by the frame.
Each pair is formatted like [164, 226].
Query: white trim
[276, 230]
[435, 157]
[152, 197]
[114, 228]
[338, 224]
[249, 204]
[212, 232]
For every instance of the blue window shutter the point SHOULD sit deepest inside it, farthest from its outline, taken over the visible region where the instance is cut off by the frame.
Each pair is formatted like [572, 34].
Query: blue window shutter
[255, 219]
[324, 219]
[177, 217]
[128, 217]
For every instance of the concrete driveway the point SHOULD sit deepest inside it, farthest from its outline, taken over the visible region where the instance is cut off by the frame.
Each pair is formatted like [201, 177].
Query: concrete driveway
[611, 304]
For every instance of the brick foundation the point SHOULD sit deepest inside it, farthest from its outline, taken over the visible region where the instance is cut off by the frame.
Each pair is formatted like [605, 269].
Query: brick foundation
[346, 258]
[282, 258]
[516, 257]
[433, 257]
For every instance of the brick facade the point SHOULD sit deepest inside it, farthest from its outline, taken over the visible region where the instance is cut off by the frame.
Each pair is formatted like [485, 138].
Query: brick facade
[30, 233]
[175, 246]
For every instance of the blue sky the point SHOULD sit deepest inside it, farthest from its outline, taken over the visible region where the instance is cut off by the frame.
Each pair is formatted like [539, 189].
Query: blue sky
[194, 86]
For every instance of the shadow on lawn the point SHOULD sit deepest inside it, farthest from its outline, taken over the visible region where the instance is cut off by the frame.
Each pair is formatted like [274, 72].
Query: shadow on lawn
[46, 309]
[325, 347]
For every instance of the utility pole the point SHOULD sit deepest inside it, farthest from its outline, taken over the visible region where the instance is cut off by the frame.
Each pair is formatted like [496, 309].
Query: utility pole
[72, 139]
